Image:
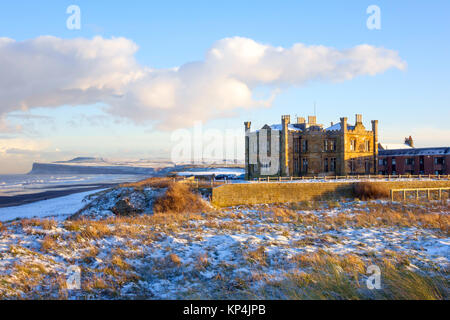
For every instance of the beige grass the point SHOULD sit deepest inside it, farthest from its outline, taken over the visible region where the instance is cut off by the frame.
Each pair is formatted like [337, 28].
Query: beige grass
[371, 190]
[179, 199]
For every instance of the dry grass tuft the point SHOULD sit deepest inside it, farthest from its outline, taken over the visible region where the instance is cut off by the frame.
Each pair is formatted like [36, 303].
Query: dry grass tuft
[175, 259]
[48, 244]
[179, 199]
[155, 182]
[371, 190]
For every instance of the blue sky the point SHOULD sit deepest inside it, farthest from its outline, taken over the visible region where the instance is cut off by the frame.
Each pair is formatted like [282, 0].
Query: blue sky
[414, 101]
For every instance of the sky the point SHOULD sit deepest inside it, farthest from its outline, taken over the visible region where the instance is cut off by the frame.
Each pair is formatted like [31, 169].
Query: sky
[137, 73]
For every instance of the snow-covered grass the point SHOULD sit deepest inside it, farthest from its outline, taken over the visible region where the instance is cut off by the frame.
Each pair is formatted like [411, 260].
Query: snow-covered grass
[292, 251]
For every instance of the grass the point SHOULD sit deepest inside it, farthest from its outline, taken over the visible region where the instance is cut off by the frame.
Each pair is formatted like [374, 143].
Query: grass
[124, 251]
[343, 277]
[155, 182]
[179, 199]
[371, 190]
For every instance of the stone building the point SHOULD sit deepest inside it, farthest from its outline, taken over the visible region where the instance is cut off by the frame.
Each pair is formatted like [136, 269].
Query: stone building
[309, 149]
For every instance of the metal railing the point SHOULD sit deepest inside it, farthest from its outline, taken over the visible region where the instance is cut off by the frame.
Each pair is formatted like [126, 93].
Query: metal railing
[356, 177]
[417, 191]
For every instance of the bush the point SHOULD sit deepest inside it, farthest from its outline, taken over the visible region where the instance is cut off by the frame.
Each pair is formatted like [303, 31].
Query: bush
[370, 190]
[179, 199]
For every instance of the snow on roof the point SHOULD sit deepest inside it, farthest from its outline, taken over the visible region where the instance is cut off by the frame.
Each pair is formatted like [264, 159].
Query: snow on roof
[279, 127]
[335, 127]
[416, 152]
[394, 146]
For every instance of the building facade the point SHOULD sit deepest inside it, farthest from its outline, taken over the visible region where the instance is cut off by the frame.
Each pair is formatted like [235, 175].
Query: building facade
[309, 149]
[414, 161]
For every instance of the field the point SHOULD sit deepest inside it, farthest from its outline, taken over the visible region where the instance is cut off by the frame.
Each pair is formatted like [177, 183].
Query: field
[158, 240]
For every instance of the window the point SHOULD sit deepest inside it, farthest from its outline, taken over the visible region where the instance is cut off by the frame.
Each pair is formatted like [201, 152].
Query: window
[409, 161]
[393, 162]
[352, 166]
[333, 164]
[296, 165]
[367, 166]
[305, 165]
[297, 145]
[325, 145]
[304, 145]
[439, 160]
[367, 145]
[325, 165]
[333, 145]
[353, 145]
[382, 162]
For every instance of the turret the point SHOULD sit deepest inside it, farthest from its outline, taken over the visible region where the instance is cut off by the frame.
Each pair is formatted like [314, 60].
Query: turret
[375, 145]
[247, 126]
[344, 124]
[285, 121]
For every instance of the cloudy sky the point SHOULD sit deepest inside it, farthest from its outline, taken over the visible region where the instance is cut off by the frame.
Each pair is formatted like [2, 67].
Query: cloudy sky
[136, 72]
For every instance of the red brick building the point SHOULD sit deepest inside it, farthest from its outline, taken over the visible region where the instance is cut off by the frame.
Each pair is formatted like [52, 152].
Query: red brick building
[414, 161]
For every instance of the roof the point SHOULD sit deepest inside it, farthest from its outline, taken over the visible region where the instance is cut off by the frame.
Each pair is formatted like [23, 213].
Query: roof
[395, 146]
[438, 151]
[334, 127]
[278, 127]
[337, 127]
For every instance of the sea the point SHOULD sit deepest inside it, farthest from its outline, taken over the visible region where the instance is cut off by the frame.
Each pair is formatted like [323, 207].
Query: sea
[22, 184]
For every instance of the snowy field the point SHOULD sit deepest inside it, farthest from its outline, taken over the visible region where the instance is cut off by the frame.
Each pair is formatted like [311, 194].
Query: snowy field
[304, 250]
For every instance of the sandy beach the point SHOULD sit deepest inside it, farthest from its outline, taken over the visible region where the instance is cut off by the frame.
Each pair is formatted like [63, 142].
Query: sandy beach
[18, 200]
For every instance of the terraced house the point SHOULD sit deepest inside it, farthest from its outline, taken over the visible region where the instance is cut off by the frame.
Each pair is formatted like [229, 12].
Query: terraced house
[308, 149]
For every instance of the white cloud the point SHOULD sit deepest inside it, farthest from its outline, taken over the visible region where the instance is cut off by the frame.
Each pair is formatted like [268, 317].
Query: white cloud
[49, 72]
[20, 145]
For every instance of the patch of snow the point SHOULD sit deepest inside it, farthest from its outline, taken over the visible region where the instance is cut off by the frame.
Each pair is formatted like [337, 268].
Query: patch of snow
[57, 207]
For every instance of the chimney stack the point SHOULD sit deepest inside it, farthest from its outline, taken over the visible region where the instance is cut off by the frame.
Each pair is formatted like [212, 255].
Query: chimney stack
[344, 124]
[409, 141]
[312, 120]
[247, 126]
[301, 120]
[285, 120]
[358, 119]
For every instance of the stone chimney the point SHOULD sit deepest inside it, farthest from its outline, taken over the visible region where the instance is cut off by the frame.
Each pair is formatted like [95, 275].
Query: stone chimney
[285, 120]
[301, 120]
[312, 120]
[247, 126]
[358, 119]
[409, 141]
[344, 124]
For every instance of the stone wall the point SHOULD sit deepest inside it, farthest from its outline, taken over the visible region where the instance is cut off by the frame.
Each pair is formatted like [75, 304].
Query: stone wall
[259, 193]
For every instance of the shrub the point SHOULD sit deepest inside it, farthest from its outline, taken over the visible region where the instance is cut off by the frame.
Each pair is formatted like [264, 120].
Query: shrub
[179, 199]
[370, 190]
